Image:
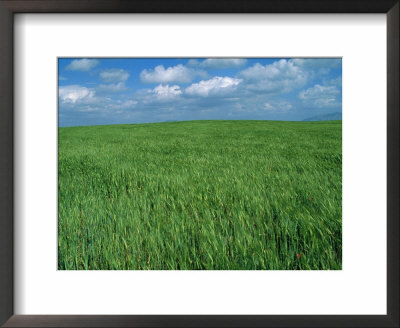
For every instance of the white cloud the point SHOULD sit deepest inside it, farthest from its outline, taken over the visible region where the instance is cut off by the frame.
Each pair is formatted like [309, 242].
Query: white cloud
[82, 64]
[114, 75]
[193, 62]
[77, 98]
[268, 106]
[74, 93]
[281, 106]
[113, 87]
[124, 104]
[318, 66]
[282, 76]
[320, 96]
[318, 63]
[166, 92]
[218, 62]
[177, 74]
[216, 85]
[337, 82]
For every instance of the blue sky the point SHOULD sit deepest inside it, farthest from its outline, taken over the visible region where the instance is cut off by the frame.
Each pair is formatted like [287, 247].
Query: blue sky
[140, 90]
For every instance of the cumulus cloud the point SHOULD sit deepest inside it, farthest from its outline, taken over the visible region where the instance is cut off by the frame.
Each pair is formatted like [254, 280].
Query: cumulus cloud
[114, 75]
[76, 98]
[82, 64]
[320, 96]
[282, 76]
[216, 86]
[337, 82]
[282, 106]
[75, 93]
[268, 106]
[218, 62]
[318, 66]
[166, 92]
[127, 104]
[113, 87]
[174, 74]
[318, 63]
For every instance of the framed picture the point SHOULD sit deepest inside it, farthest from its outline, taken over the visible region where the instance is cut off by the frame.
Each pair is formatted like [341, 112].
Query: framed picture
[174, 164]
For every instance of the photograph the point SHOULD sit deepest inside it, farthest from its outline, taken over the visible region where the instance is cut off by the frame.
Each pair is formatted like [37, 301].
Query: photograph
[199, 163]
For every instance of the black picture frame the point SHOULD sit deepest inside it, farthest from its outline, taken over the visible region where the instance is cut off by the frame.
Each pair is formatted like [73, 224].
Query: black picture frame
[7, 10]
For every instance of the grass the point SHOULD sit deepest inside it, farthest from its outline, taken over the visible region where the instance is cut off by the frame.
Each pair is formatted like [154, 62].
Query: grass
[215, 195]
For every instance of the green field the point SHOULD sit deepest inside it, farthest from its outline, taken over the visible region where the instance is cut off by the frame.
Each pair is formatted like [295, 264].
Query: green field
[215, 195]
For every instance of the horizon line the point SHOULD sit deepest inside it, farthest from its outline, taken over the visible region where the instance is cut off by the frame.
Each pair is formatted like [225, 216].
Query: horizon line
[200, 120]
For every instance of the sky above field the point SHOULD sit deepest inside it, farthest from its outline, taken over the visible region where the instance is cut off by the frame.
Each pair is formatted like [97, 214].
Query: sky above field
[140, 90]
